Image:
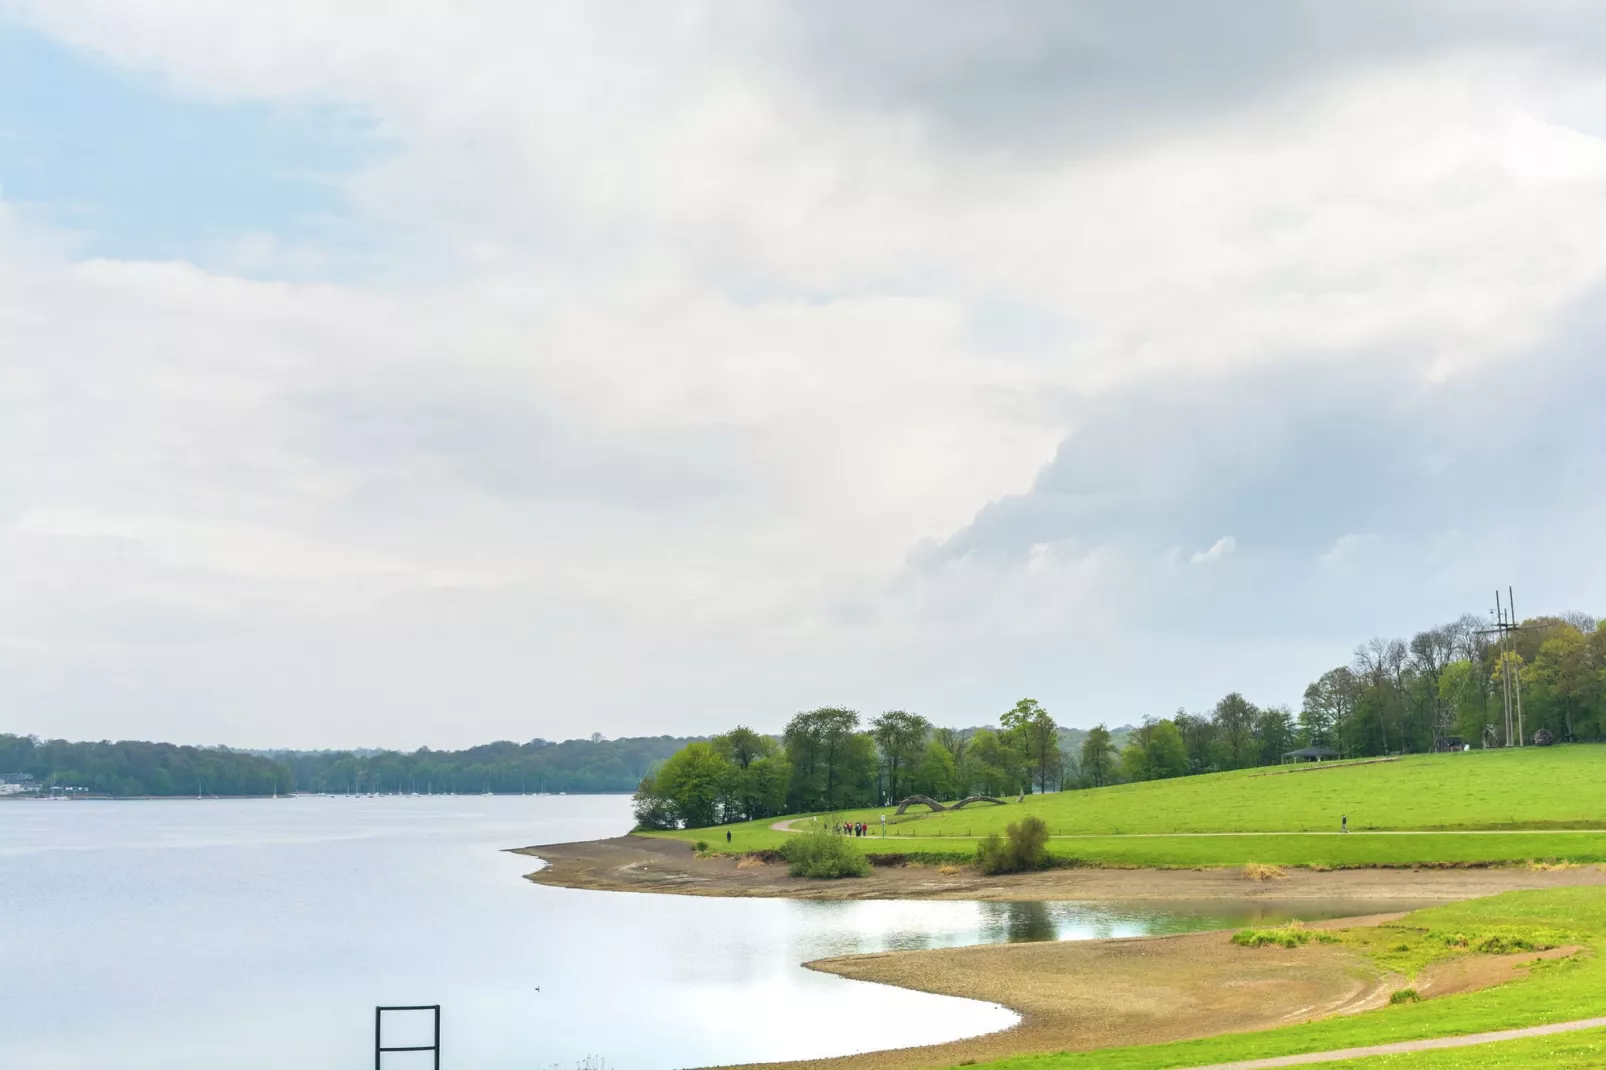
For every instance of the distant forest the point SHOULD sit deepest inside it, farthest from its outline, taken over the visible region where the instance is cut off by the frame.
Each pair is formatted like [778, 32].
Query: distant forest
[1441, 689]
[1395, 696]
[131, 768]
[575, 766]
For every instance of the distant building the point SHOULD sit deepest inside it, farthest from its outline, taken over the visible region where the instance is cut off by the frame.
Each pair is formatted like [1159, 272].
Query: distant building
[17, 783]
[1312, 754]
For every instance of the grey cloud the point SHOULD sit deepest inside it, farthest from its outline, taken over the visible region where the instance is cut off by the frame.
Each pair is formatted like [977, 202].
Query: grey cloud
[1030, 73]
[1421, 478]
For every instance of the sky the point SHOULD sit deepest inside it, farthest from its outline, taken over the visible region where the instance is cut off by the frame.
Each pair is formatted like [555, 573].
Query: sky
[430, 373]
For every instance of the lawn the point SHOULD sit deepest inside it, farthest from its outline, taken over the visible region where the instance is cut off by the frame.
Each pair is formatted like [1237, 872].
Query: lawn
[1483, 807]
[1191, 852]
[1533, 788]
[1559, 991]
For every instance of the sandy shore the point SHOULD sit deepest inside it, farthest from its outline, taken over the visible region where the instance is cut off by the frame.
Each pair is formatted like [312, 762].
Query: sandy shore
[649, 864]
[1100, 993]
[1084, 995]
[1091, 994]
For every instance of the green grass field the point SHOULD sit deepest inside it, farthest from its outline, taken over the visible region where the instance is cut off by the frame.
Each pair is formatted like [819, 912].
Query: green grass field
[1482, 807]
[1560, 991]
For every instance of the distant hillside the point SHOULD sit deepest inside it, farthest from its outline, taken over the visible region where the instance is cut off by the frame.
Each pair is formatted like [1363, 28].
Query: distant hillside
[575, 766]
[130, 768]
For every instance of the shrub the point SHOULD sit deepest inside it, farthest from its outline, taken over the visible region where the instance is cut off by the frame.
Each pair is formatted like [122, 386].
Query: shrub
[1405, 995]
[824, 855]
[701, 847]
[1290, 936]
[1257, 871]
[1024, 846]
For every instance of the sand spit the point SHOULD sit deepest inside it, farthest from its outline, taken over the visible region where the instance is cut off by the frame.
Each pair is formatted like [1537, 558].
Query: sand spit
[650, 864]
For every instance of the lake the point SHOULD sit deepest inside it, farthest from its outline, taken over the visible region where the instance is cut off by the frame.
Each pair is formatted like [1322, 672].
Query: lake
[259, 933]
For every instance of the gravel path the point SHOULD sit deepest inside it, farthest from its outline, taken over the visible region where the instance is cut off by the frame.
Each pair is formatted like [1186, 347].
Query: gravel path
[1432, 1044]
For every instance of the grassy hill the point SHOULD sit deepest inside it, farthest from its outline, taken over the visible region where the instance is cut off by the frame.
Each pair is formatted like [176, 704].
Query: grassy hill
[1529, 788]
[1477, 807]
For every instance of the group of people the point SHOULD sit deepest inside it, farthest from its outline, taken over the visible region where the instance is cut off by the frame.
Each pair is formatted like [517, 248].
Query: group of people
[856, 828]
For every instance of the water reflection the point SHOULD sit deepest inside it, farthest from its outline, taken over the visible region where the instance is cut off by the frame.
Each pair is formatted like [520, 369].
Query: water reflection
[263, 933]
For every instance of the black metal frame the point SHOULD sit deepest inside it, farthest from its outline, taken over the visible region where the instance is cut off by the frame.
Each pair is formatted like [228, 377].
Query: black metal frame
[380, 1049]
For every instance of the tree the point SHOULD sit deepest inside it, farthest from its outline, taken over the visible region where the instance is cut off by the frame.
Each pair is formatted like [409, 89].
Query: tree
[1274, 731]
[816, 742]
[742, 746]
[1235, 727]
[937, 775]
[1037, 736]
[1098, 756]
[1565, 667]
[902, 739]
[991, 765]
[694, 781]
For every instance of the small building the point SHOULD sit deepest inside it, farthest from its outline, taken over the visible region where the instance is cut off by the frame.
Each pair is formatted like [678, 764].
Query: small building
[1312, 754]
[17, 783]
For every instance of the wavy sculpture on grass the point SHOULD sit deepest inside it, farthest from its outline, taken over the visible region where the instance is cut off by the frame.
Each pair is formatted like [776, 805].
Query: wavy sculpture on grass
[938, 808]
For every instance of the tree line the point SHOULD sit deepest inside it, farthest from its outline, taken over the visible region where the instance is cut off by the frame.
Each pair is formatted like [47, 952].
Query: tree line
[828, 759]
[131, 768]
[574, 766]
[1440, 689]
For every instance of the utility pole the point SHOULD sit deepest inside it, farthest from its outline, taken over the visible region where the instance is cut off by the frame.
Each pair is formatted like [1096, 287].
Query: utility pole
[1506, 627]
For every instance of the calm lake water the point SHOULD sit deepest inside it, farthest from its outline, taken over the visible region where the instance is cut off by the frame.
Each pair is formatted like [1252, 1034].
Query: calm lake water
[189, 934]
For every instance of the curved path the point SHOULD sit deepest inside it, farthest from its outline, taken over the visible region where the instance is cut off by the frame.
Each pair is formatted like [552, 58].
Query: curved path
[786, 826]
[1431, 1044]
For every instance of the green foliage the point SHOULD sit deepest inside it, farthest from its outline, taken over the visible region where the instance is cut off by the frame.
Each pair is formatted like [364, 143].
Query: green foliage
[1098, 757]
[1156, 751]
[1024, 846]
[1288, 936]
[825, 855]
[653, 809]
[694, 780]
[128, 768]
[1404, 995]
[901, 737]
[574, 766]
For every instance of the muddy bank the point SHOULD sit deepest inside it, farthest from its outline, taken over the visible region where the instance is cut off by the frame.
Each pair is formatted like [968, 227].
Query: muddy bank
[1095, 994]
[649, 864]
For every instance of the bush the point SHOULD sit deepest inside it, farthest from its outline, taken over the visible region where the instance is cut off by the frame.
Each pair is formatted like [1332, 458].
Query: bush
[1024, 846]
[824, 855]
[1404, 995]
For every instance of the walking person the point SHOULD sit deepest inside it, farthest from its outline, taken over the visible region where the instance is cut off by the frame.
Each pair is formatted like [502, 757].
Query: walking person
[727, 837]
[1343, 823]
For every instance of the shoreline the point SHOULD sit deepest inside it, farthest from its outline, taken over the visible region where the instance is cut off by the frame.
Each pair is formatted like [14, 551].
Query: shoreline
[663, 866]
[1089, 994]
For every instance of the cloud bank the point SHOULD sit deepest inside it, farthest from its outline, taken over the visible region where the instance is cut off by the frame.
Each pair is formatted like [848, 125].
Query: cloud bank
[675, 365]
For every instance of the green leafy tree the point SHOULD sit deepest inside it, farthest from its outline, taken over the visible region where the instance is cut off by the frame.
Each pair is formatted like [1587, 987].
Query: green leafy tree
[937, 775]
[1098, 757]
[695, 780]
[901, 736]
[817, 742]
[1034, 733]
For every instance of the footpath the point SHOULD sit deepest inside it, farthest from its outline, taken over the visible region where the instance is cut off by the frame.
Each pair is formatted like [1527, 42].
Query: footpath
[1405, 1046]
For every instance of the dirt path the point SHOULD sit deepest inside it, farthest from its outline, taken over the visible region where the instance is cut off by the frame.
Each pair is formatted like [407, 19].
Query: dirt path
[1405, 1046]
[650, 864]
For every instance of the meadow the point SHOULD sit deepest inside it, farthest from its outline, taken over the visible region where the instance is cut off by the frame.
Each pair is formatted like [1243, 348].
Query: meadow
[1476, 808]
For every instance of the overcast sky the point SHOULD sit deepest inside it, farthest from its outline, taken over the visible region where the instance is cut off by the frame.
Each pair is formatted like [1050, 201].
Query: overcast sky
[429, 373]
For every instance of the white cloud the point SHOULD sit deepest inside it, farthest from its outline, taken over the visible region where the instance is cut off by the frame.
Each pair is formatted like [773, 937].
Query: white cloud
[675, 358]
[1222, 547]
